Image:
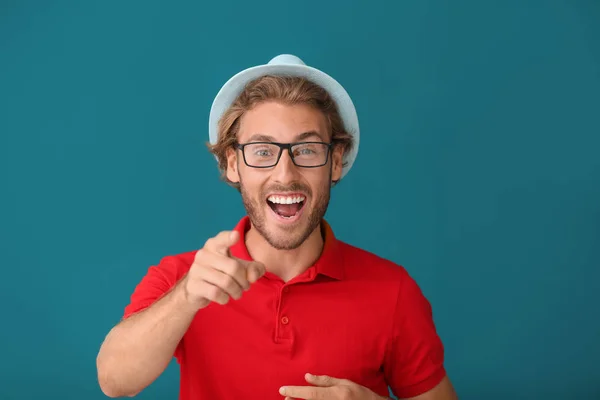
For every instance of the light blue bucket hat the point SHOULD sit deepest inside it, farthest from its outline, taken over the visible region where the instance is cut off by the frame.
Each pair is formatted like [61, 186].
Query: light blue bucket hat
[288, 65]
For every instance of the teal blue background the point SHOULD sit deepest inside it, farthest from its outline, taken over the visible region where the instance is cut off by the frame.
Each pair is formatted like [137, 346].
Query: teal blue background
[478, 171]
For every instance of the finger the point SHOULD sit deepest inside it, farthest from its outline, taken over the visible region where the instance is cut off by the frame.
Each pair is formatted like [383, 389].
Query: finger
[213, 293]
[305, 392]
[221, 243]
[254, 270]
[221, 280]
[228, 265]
[322, 380]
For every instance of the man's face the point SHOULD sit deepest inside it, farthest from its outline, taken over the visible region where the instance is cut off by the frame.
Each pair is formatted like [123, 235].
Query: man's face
[285, 203]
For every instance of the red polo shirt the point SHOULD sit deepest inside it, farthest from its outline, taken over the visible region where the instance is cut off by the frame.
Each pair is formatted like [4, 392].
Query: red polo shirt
[352, 315]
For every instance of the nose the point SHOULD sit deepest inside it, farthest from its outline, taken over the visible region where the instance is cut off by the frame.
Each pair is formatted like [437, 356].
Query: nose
[285, 170]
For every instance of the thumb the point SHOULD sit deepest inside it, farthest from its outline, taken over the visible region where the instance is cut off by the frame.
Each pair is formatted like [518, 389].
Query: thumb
[222, 242]
[232, 238]
[322, 380]
[229, 240]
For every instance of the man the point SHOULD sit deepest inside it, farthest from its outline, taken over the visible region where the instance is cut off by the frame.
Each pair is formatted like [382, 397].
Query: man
[278, 307]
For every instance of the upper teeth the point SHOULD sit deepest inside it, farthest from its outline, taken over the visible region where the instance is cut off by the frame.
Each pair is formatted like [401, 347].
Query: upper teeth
[285, 199]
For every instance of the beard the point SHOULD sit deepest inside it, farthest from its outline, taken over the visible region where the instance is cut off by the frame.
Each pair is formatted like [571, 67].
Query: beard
[292, 236]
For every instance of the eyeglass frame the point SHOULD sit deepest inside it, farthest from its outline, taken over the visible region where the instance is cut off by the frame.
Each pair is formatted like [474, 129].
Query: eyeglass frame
[282, 147]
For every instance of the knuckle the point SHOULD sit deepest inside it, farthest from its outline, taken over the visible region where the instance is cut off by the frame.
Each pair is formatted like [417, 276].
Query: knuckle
[240, 269]
[226, 265]
[223, 298]
[200, 254]
[216, 295]
[234, 267]
[236, 270]
[227, 281]
[212, 292]
[196, 272]
[209, 242]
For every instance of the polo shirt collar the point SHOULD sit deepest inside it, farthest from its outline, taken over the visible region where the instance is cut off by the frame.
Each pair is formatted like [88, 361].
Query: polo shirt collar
[330, 263]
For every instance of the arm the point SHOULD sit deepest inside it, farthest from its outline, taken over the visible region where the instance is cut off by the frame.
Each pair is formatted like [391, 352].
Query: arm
[414, 361]
[139, 348]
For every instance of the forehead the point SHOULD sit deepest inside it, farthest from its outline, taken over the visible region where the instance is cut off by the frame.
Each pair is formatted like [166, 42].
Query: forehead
[283, 123]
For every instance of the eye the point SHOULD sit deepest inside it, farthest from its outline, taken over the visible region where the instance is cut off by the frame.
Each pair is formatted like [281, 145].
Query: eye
[305, 151]
[263, 152]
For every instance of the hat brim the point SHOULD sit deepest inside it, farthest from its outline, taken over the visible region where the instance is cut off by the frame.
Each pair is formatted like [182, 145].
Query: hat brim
[235, 85]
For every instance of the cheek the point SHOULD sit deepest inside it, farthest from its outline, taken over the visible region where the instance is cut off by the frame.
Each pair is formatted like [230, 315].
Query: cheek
[319, 182]
[252, 182]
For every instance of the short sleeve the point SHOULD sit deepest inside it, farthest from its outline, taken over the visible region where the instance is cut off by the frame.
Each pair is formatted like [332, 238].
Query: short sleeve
[157, 282]
[414, 362]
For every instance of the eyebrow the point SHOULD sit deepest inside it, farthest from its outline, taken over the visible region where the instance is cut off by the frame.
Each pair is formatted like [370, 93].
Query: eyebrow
[301, 136]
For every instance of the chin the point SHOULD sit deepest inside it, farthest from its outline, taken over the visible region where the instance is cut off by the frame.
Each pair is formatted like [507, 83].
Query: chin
[285, 219]
[288, 242]
[287, 232]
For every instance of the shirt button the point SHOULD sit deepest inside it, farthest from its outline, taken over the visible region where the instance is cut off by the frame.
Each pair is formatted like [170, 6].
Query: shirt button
[286, 289]
[285, 320]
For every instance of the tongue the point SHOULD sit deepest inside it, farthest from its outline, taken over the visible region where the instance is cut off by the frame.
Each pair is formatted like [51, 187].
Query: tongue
[286, 210]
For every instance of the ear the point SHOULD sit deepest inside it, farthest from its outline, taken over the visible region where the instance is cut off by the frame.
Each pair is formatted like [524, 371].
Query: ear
[337, 158]
[232, 170]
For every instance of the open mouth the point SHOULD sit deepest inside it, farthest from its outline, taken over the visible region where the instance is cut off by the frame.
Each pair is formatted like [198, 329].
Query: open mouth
[287, 207]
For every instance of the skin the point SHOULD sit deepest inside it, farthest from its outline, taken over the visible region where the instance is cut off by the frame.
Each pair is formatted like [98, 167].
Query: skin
[330, 388]
[138, 349]
[275, 244]
[296, 246]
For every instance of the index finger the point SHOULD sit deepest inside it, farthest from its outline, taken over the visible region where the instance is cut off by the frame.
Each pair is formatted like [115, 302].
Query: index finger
[304, 392]
[222, 241]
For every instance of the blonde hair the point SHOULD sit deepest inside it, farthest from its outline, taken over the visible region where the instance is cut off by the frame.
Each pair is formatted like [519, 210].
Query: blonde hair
[287, 90]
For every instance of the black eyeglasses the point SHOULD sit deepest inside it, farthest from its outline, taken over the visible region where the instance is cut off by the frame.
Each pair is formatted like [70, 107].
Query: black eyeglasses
[267, 154]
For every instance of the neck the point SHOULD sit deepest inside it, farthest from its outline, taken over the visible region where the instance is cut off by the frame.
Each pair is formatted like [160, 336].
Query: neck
[286, 264]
